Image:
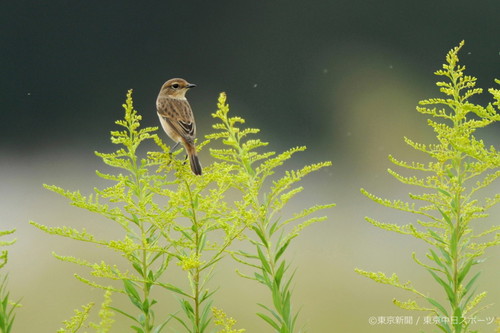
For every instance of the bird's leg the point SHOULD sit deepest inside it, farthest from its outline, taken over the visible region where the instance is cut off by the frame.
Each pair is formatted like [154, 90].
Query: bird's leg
[174, 148]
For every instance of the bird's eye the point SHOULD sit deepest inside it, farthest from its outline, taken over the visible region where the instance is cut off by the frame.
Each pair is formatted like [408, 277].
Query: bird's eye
[175, 85]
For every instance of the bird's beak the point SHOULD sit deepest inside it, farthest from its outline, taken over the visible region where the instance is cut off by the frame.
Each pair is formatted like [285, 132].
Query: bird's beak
[191, 85]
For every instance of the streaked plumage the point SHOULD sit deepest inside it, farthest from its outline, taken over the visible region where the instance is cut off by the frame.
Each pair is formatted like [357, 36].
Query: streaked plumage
[176, 117]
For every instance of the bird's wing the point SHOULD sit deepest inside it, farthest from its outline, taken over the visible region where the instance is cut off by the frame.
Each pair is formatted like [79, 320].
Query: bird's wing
[178, 114]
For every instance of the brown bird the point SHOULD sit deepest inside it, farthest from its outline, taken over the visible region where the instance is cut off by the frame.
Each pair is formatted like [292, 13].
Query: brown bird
[176, 118]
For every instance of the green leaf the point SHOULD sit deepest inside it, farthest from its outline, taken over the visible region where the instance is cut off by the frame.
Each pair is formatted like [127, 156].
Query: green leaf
[446, 217]
[269, 321]
[259, 233]
[264, 279]
[263, 260]
[449, 292]
[471, 282]
[279, 273]
[205, 317]
[446, 255]
[145, 306]
[445, 193]
[188, 309]
[458, 314]
[137, 329]
[454, 203]
[132, 293]
[444, 327]
[135, 219]
[174, 289]
[281, 250]
[436, 259]
[160, 327]
[181, 322]
[277, 299]
[436, 236]
[137, 267]
[438, 306]
[463, 272]
[124, 313]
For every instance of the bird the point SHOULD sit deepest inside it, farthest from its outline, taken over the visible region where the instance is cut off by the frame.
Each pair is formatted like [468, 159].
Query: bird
[177, 119]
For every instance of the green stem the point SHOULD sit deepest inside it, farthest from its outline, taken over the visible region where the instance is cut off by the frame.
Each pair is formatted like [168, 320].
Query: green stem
[457, 210]
[146, 285]
[139, 192]
[457, 254]
[197, 270]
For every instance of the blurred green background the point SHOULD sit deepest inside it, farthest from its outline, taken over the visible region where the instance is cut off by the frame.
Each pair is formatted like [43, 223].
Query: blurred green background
[342, 77]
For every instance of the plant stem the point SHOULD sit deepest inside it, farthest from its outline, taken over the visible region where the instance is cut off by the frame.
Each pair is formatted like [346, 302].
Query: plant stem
[147, 325]
[456, 254]
[196, 275]
[146, 285]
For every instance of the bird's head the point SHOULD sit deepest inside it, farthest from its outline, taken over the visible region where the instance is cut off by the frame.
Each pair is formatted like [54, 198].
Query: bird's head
[176, 88]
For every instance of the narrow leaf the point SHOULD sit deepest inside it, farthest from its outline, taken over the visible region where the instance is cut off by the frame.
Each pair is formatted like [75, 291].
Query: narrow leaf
[438, 306]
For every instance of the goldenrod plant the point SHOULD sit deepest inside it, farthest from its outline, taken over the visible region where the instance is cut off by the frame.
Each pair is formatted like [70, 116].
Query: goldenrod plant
[7, 306]
[155, 234]
[262, 207]
[4, 254]
[78, 321]
[450, 204]
[221, 319]
[171, 218]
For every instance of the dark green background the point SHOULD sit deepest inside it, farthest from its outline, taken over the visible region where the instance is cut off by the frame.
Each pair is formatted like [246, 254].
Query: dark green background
[66, 65]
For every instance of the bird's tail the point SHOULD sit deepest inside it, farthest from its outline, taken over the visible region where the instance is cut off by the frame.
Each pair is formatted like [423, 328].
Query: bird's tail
[195, 164]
